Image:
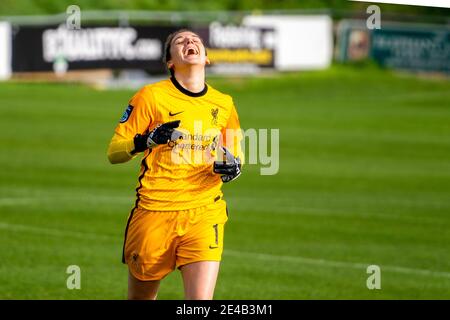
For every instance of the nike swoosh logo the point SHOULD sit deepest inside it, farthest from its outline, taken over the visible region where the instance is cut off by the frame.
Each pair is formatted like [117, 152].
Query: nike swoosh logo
[174, 114]
[213, 247]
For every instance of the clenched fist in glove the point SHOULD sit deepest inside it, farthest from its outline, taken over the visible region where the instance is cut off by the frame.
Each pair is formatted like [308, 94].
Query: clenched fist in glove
[161, 134]
[230, 169]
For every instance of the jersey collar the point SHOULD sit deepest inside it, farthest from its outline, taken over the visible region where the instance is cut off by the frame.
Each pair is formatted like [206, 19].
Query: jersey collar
[187, 92]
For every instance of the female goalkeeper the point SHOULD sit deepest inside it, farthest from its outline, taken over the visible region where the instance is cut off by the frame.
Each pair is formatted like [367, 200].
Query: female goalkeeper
[189, 135]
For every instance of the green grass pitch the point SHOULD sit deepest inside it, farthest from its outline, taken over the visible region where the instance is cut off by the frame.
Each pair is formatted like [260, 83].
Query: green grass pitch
[364, 179]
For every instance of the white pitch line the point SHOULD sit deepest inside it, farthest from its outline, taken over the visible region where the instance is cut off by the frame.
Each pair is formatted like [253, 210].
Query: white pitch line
[281, 210]
[235, 253]
[336, 264]
[58, 198]
[16, 201]
[54, 232]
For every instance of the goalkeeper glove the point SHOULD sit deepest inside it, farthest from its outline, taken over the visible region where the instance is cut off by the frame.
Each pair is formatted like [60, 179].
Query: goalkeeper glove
[230, 169]
[162, 134]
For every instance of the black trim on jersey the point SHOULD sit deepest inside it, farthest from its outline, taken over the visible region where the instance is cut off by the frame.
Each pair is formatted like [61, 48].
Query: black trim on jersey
[187, 92]
[143, 163]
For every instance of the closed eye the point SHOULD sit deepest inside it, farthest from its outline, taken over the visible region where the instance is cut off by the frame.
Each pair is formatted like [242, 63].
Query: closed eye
[180, 40]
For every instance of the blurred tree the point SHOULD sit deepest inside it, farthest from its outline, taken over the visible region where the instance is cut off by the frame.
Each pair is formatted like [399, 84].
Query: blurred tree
[30, 7]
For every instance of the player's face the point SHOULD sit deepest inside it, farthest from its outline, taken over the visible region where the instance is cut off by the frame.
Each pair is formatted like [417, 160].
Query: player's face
[187, 49]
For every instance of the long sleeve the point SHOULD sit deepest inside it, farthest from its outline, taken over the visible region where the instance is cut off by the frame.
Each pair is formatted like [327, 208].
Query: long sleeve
[120, 150]
[136, 119]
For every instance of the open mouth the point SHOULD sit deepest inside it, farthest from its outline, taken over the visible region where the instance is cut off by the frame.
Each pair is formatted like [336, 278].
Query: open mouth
[191, 51]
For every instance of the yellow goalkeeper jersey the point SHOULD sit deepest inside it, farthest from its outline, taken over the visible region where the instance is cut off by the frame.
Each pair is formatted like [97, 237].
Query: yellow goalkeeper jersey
[178, 175]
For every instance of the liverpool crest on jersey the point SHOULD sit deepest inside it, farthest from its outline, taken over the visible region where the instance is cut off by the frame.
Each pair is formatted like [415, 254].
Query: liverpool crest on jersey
[214, 114]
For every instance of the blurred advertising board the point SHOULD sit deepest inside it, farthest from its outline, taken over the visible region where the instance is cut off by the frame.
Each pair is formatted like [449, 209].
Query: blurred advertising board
[259, 43]
[5, 50]
[302, 42]
[239, 48]
[47, 48]
[415, 47]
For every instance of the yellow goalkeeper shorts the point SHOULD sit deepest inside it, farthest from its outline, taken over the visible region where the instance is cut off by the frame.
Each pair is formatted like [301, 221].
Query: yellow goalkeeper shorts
[157, 242]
